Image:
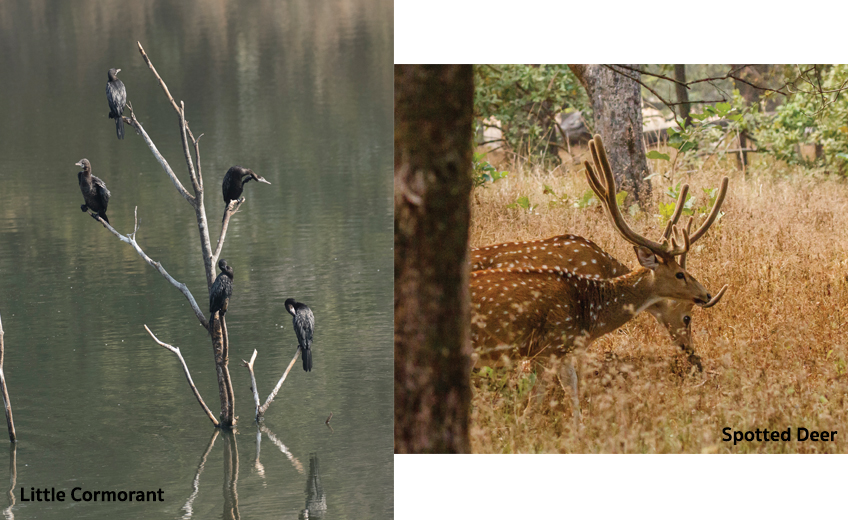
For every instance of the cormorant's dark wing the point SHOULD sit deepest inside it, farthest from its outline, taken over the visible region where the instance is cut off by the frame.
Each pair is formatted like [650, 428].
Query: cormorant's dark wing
[102, 191]
[116, 94]
[304, 324]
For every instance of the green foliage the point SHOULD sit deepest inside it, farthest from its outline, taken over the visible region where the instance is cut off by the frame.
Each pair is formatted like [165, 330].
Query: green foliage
[525, 99]
[713, 126]
[809, 117]
[485, 172]
[558, 199]
[523, 202]
[690, 207]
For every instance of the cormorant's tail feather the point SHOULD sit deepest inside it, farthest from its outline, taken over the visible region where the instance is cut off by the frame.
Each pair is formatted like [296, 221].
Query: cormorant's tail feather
[104, 217]
[119, 125]
[307, 360]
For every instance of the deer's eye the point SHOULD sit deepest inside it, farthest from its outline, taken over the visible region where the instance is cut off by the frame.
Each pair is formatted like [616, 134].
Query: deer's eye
[680, 275]
[686, 320]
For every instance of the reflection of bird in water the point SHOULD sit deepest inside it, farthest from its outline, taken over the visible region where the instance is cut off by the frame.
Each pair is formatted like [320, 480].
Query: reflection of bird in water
[316, 500]
[304, 324]
[116, 95]
[94, 191]
[222, 289]
[234, 181]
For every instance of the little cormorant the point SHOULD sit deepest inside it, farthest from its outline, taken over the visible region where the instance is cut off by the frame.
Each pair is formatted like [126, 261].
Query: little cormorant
[116, 95]
[304, 324]
[234, 181]
[222, 289]
[94, 191]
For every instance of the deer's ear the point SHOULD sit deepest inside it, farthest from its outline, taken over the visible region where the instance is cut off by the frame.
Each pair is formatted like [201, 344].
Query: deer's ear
[647, 258]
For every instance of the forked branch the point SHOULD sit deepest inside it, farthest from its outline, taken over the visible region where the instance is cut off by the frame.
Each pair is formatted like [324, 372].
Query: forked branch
[130, 238]
[260, 410]
[176, 351]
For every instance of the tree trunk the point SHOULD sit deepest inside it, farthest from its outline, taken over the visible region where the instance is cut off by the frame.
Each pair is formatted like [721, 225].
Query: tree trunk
[682, 93]
[617, 103]
[433, 137]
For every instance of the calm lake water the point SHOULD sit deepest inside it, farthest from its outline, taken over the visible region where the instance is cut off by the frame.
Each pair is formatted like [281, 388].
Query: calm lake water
[300, 92]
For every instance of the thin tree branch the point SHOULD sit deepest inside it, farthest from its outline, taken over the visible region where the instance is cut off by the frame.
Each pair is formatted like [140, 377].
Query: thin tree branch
[7, 404]
[273, 394]
[231, 210]
[13, 478]
[186, 152]
[654, 92]
[163, 85]
[130, 238]
[249, 365]
[132, 121]
[176, 351]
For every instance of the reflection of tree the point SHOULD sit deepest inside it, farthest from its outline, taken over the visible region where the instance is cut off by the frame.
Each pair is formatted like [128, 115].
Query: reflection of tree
[195, 485]
[231, 469]
[316, 500]
[13, 479]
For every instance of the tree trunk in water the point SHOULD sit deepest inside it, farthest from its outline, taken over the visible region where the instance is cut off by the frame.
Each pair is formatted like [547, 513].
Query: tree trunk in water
[433, 136]
[617, 103]
[682, 93]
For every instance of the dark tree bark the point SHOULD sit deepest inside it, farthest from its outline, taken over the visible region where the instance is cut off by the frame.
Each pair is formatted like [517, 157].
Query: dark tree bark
[682, 93]
[617, 103]
[433, 138]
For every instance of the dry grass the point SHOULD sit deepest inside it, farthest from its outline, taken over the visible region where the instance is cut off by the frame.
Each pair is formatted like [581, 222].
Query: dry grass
[774, 350]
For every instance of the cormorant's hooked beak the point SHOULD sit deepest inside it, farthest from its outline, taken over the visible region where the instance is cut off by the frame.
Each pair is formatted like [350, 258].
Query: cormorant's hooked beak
[262, 179]
[78, 163]
[117, 71]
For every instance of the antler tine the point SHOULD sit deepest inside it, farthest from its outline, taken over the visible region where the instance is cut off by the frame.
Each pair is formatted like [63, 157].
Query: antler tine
[676, 248]
[678, 211]
[596, 146]
[715, 298]
[713, 214]
[682, 261]
[592, 178]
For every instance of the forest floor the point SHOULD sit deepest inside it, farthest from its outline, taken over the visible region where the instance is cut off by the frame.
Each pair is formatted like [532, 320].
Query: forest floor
[774, 350]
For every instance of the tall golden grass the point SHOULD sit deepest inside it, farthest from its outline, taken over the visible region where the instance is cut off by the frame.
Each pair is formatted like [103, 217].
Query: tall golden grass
[774, 349]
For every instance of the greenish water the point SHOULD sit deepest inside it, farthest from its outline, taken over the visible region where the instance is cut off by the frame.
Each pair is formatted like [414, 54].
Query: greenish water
[300, 92]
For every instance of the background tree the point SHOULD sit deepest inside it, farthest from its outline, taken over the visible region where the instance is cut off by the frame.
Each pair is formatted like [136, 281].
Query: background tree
[682, 92]
[617, 105]
[433, 137]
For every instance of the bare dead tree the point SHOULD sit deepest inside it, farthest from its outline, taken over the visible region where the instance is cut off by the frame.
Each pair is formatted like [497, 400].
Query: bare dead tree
[216, 325]
[7, 404]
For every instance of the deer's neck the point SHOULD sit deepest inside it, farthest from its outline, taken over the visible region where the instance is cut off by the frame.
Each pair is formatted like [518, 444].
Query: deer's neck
[612, 303]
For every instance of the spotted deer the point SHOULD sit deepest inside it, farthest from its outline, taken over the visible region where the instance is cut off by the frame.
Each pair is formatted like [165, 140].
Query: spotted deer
[529, 312]
[583, 257]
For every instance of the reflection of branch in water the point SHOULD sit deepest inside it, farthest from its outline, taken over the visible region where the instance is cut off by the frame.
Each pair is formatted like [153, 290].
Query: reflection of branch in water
[258, 465]
[195, 485]
[231, 469]
[316, 500]
[13, 479]
[277, 442]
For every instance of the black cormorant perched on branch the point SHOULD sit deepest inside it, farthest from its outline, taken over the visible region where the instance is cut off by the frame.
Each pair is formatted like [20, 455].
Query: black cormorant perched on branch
[234, 181]
[222, 289]
[304, 324]
[94, 191]
[116, 95]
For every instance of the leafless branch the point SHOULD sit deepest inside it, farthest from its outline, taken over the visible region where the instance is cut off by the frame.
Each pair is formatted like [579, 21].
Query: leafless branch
[163, 85]
[7, 404]
[232, 209]
[13, 478]
[176, 351]
[130, 238]
[273, 394]
[249, 365]
[132, 121]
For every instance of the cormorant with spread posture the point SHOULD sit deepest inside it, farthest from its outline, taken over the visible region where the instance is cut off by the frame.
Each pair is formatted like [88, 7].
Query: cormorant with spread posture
[234, 181]
[222, 289]
[304, 324]
[94, 191]
[116, 95]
